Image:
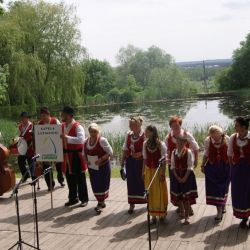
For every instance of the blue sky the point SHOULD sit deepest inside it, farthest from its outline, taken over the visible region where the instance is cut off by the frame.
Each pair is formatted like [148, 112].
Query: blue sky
[187, 29]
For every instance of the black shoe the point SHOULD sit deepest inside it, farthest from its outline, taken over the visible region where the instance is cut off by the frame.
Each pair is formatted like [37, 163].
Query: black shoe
[224, 210]
[83, 204]
[53, 186]
[62, 184]
[71, 203]
[243, 223]
[218, 219]
[26, 178]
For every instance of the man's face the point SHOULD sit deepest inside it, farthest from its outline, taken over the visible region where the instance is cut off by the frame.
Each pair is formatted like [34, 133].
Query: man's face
[24, 120]
[44, 117]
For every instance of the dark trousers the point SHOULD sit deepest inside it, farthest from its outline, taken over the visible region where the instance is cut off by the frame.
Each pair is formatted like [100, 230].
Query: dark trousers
[22, 161]
[60, 178]
[48, 177]
[77, 182]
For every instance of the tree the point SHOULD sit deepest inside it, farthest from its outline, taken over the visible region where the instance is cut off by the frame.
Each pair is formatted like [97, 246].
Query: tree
[238, 74]
[99, 77]
[4, 73]
[41, 44]
[1, 8]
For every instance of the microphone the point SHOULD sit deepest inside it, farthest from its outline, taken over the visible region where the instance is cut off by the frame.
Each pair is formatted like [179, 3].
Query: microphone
[47, 170]
[35, 157]
[163, 158]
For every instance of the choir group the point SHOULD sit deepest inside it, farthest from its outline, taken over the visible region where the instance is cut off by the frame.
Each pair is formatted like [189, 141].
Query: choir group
[225, 160]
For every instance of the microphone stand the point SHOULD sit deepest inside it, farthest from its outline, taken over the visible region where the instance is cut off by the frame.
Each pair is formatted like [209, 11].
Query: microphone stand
[146, 195]
[33, 184]
[20, 242]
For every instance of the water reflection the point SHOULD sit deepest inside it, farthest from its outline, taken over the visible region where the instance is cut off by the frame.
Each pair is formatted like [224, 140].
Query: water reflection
[114, 119]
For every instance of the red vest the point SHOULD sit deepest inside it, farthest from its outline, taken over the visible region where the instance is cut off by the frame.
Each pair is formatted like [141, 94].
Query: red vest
[172, 145]
[70, 149]
[97, 150]
[215, 155]
[181, 165]
[153, 158]
[28, 136]
[52, 121]
[138, 145]
[237, 153]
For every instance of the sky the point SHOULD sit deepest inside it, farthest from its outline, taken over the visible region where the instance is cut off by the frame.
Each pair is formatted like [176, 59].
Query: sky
[187, 29]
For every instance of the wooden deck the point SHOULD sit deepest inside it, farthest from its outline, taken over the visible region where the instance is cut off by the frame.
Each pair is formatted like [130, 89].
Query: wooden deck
[79, 228]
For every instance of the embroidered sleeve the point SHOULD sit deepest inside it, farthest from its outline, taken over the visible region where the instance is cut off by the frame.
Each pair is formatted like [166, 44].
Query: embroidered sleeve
[124, 147]
[190, 161]
[106, 146]
[193, 143]
[172, 160]
[206, 146]
[144, 153]
[230, 146]
[79, 139]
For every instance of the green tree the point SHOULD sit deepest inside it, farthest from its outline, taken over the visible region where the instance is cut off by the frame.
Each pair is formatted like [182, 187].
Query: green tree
[4, 73]
[99, 77]
[40, 42]
[238, 74]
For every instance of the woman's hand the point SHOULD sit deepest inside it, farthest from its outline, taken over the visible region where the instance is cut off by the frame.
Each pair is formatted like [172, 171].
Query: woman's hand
[137, 155]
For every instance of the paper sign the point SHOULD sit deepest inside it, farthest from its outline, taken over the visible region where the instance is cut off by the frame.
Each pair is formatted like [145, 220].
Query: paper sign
[91, 162]
[48, 143]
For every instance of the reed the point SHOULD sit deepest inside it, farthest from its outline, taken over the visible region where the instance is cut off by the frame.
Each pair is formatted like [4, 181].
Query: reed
[8, 130]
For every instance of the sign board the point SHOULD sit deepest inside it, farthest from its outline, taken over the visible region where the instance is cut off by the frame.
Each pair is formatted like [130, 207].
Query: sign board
[48, 143]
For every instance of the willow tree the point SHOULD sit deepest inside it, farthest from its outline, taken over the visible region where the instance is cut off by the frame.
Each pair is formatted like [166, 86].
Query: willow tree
[40, 42]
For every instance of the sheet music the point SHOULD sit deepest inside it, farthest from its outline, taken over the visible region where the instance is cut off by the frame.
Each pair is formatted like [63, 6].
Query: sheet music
[91, 162]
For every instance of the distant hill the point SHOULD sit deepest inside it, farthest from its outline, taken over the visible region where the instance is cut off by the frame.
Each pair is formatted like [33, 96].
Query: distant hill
[208, 63]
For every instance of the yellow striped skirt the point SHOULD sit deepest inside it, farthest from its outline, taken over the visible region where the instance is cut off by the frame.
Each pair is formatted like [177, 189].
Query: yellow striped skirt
[158, 193]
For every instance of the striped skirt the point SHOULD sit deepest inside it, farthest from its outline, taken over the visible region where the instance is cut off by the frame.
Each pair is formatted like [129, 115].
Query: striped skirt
[135, 183]
[217, 179]
[100, 181]
[158, 193]
[183, 191]
[240, 188]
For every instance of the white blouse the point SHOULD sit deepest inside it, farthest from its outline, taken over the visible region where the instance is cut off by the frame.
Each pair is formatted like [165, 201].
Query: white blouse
[163, 150]
[190, 159]
[239, 142]
[124, 147]
[191, 140]
[207, 143]
[104, 144]
[80, 134]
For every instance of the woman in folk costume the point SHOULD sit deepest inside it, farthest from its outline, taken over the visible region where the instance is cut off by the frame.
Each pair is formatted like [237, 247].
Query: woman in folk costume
[175, 124]
[183, 188]
[239, 158]
[97, 152]
[153, 151]
[74, 165]
[216, 168]
[133, 161]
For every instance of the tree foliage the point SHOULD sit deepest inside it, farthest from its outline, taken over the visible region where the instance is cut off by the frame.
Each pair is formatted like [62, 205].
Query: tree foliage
[237, 76]
[41, 44]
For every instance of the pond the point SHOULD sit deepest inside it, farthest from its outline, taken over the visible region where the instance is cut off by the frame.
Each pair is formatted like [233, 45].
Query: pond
[195, 113]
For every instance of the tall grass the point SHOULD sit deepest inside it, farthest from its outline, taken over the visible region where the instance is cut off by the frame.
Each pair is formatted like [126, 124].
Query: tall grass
[8, 130]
